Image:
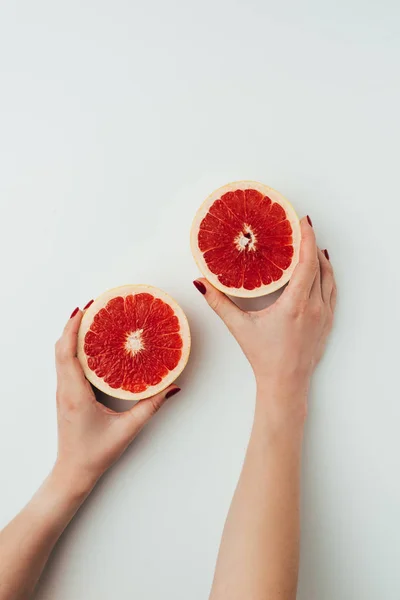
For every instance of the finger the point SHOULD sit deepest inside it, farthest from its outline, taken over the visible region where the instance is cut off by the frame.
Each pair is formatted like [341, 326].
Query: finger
[66, 347]
[333, 297]
[137, 417]
[334, 287]
[316, 291]
[227, 310]
[306, 270]
[327, 278]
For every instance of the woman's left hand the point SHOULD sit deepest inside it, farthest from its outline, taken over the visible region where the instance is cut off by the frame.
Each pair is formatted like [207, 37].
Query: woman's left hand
[91, 437]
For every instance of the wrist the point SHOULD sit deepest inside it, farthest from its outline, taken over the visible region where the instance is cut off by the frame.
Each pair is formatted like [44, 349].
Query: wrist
[281, 406]
[295, 385]
[69, 483]
[57, 501]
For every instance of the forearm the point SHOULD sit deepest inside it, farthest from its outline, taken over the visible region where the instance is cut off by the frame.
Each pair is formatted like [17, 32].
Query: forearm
[26, 543]
[259, 553]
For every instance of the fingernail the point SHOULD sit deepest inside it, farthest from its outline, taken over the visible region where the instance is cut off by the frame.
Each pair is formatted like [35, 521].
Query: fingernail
[74, 312]
[309, 220]
[200, 286]
[88, 304]
[326, 254]
[172, 393]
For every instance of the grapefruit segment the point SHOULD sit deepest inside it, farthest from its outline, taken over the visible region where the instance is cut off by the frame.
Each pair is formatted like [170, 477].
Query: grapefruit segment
[133, 342]
[245, 239]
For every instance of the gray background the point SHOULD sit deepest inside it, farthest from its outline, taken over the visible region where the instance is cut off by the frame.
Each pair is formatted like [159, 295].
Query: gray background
[116, 120]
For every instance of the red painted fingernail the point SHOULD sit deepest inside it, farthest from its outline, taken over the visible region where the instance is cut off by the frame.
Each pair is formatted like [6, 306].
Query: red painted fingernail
[88, 304]
[200, 286]
[74, 312]
[309, 220]
[172, 393]
[326, 254]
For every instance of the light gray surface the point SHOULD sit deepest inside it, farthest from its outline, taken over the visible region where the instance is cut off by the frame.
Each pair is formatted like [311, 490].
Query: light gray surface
[116, 120]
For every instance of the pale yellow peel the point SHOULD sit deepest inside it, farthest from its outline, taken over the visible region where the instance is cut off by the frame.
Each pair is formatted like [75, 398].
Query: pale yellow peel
[99, 303]
[198, 255]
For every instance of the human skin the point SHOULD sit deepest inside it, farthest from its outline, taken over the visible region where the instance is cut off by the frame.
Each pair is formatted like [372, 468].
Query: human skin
[91, 437]
[258, 558]
[259, 552]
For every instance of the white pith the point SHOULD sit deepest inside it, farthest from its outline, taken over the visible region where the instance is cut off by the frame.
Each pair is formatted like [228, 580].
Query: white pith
[134, 342]
[291, 216]
[100, 303]
[242, 242]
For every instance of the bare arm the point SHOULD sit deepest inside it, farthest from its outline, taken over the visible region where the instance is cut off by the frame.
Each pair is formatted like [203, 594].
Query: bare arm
[259, 553]
[91, 438]
[26, 543]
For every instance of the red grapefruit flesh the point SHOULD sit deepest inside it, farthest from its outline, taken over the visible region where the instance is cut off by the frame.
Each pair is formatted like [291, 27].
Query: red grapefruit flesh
[245, 239]
[133, 342]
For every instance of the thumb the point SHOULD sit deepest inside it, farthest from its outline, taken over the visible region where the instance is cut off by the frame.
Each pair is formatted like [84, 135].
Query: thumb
[137, 417]
[67, 364]
[227, 310]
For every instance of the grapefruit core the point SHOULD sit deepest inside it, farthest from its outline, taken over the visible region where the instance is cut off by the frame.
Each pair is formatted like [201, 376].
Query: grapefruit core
[133, 342]
[245, 239]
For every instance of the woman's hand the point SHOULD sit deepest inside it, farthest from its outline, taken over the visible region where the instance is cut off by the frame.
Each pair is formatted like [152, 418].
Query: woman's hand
[259, 552]
[285, 341]
[91, 437]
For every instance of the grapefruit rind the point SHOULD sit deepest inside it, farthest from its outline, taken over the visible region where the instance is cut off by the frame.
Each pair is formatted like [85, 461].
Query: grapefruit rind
[296, 234]
[100, 303]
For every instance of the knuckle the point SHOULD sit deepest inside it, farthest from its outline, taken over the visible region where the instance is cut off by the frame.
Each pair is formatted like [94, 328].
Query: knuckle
[57, 349]
[316, 312]
[296, 309]
[328, 272]
[329, 266]
[64, 398]
[222, 310]
[155, 405]
[59, 397]
[328, 325]
[65, 402]
[215, 303]
[61, 351]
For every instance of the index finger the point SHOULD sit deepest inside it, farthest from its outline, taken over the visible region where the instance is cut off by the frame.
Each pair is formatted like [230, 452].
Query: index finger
[66, 347]
[306, 270]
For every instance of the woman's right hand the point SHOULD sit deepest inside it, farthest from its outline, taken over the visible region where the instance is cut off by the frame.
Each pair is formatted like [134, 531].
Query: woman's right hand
[285, 341]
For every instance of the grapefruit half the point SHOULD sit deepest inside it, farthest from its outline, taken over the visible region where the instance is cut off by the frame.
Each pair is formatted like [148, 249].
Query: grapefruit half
[133, 342]
[245, 239]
